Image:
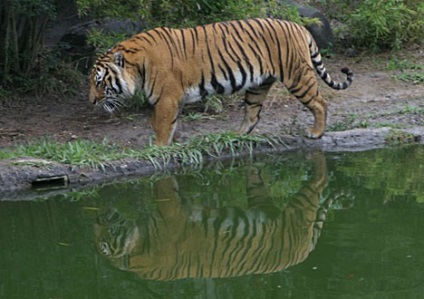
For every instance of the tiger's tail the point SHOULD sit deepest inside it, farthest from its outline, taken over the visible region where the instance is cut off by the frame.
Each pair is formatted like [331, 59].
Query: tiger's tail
[322, 72]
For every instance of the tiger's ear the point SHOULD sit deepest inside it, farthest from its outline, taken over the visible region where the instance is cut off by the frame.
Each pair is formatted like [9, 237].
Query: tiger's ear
[119, 59]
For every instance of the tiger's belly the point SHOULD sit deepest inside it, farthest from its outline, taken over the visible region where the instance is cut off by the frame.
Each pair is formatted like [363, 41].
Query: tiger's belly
[223, 86]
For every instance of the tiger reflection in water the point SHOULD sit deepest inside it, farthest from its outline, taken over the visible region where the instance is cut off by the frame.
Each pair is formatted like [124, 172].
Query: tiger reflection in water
[176, 242]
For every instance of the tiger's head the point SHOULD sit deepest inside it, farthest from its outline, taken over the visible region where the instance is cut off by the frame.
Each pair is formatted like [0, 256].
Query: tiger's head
[116, 237]
[111, 81]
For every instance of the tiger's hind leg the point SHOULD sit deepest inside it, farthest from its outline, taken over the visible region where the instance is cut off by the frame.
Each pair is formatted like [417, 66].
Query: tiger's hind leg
[306, 91]
[253, 105]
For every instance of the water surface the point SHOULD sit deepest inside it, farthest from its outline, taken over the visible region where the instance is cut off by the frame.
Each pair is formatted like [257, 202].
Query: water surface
[297, 225]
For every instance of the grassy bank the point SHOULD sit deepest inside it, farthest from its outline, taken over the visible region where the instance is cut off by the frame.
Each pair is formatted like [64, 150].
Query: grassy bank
[98, 155]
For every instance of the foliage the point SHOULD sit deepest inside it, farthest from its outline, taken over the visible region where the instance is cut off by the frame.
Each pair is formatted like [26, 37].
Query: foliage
[381, 25]
[25, 65]
[22, 28]
[181, 13]
[186, 13]
[103, 41]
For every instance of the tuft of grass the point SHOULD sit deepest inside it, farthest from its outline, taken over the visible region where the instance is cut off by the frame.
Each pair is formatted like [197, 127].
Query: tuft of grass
[137, 102]
[213, 104]
[405, 64]
[408, 109]
[411, 77]
[193, 116]
[396, 137]
[76, 153]
[85, 153]
[197, 148]
[352, 121]
[410, 71]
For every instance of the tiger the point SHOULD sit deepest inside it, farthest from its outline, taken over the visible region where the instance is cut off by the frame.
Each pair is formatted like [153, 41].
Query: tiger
[174, 67]
[176, 241]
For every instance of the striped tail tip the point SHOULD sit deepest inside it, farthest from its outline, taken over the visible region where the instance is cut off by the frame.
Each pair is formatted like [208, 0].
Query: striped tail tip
[347, 71]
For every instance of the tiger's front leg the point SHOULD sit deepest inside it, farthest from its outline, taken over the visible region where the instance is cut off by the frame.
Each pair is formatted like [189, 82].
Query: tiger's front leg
[164, 120]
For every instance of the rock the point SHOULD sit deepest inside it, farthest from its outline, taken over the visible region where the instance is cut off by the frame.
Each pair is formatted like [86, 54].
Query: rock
[323, 34]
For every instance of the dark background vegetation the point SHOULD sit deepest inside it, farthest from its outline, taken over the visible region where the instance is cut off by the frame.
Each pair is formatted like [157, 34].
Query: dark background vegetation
[28, 65]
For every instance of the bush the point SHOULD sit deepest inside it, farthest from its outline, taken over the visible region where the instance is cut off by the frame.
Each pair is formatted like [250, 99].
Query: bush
[387, 24]
[381, 24]
[181, 13]
[187, 13]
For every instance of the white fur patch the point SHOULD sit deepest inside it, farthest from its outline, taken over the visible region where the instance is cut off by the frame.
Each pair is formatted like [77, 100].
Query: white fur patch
[192, 94]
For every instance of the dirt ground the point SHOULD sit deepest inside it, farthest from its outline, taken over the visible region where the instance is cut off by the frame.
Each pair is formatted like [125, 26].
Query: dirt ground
[374, 99]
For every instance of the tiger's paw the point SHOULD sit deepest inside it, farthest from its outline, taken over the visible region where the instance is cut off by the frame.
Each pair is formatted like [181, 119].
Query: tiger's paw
[314, 134]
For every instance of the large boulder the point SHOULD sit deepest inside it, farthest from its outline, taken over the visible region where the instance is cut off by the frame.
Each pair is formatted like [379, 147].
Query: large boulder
[322, 33]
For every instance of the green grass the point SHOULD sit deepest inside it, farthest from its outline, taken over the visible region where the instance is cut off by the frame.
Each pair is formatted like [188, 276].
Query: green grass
[86, 153]
[411, 77]
[409, 109]
[396, 137]
[76, 153]
[411, 72]
[193, 116]
[352, 121]
[395, 64]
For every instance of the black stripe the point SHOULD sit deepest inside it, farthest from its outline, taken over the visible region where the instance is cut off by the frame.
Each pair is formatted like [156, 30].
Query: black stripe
[243, 74]
[229, 71]
[202, 90]
[261, 69]
[148, 33]
[280, 58]
[167, 44]
[248, 23]
[172, 43]
[184, 43]
[269, 30]
[216, 85]
[142, 72]
[315, 55]
[289, 60]
[223, 72]
[153, 86]
[305, 92]
[143, 39]
[246, 60]
[193, 39]
[236, 30]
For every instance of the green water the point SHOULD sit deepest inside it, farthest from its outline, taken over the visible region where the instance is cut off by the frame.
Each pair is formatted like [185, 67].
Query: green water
[298, 225]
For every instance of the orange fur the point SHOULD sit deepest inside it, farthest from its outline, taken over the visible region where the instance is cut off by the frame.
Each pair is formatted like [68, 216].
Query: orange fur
[177, 66]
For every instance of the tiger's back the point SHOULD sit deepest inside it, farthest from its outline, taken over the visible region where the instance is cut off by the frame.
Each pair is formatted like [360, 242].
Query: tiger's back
[178, 66]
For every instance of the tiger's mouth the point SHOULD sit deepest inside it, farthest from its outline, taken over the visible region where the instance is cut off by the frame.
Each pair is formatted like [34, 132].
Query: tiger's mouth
[111, 105]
